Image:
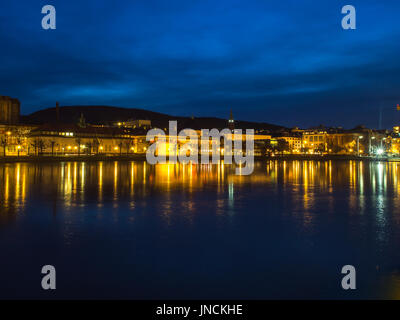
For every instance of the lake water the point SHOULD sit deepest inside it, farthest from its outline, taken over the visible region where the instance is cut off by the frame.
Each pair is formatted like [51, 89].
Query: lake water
[135, 231]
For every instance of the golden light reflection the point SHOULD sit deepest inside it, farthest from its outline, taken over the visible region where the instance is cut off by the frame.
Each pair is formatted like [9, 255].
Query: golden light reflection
[18, 181]
[115, 189]
[6, 187]
[132, 188]
[23, 193]
[307, 180]
[83, 175]
[312, 188]
[75, 180]
[100, 182]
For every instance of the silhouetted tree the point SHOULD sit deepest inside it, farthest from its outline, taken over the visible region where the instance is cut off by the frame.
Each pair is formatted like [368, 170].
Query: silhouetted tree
[128, 144]
[79, 141]
[52, 144]
[4, 143]
[39, 145]
[282, 145]
[22, 134]
[96, 145]
[42, 145]
[89, 148]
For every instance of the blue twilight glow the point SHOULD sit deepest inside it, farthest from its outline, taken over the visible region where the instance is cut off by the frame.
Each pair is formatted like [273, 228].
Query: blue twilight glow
[286, 62]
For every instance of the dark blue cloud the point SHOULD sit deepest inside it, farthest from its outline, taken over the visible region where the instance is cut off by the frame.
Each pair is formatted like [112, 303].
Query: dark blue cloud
[285, 62]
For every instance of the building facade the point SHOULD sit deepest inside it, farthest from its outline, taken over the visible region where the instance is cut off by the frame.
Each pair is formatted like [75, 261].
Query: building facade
[134, 124]
[294, 143]
[71, 139]
[314, 141]
[9, 110]
[14, 138]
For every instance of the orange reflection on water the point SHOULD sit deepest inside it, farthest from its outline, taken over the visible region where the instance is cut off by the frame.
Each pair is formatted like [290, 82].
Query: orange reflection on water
[71, 181]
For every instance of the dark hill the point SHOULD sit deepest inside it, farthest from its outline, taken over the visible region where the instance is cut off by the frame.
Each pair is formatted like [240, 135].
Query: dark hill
[107, 115]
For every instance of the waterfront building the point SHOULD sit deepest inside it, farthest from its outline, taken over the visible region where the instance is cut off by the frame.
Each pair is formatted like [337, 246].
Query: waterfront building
[314, 141]
[345, 143]
[171, 148]
[14, 138]
[394, 146]
[75, 139]
[294, 143]
[357, 141]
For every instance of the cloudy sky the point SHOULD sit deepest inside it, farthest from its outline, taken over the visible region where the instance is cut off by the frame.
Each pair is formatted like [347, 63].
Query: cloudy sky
[284, 62]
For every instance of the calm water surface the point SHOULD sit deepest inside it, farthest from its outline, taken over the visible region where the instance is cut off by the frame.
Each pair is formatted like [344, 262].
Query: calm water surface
[132, 230]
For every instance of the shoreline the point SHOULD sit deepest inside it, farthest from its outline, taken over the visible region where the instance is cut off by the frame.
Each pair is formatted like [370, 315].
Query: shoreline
[142, 157]
[84, 158]
[335, 157]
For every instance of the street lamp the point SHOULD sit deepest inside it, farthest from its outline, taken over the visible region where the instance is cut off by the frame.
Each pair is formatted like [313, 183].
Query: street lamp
[358, 144]
[370, 148]
[383, 139]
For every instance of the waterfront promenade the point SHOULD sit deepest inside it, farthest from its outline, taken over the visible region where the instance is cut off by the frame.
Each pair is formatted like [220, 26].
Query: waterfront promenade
[142, 157]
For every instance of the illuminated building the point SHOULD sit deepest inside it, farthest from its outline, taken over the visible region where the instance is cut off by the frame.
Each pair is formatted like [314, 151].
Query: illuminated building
[359, 140]
[294, 143]
[134, 124]
[14, 139]
[314, 141]
[63, 139]
[9, 110]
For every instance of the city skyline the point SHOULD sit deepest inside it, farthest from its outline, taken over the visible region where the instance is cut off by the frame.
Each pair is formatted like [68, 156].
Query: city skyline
[285, 63]
[151, 113]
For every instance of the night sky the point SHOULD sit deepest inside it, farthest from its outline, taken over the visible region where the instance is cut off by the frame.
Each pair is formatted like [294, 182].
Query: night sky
[284, 62]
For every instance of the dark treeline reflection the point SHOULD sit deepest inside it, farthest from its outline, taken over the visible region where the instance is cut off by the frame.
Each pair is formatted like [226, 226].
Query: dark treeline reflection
[314, 215]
